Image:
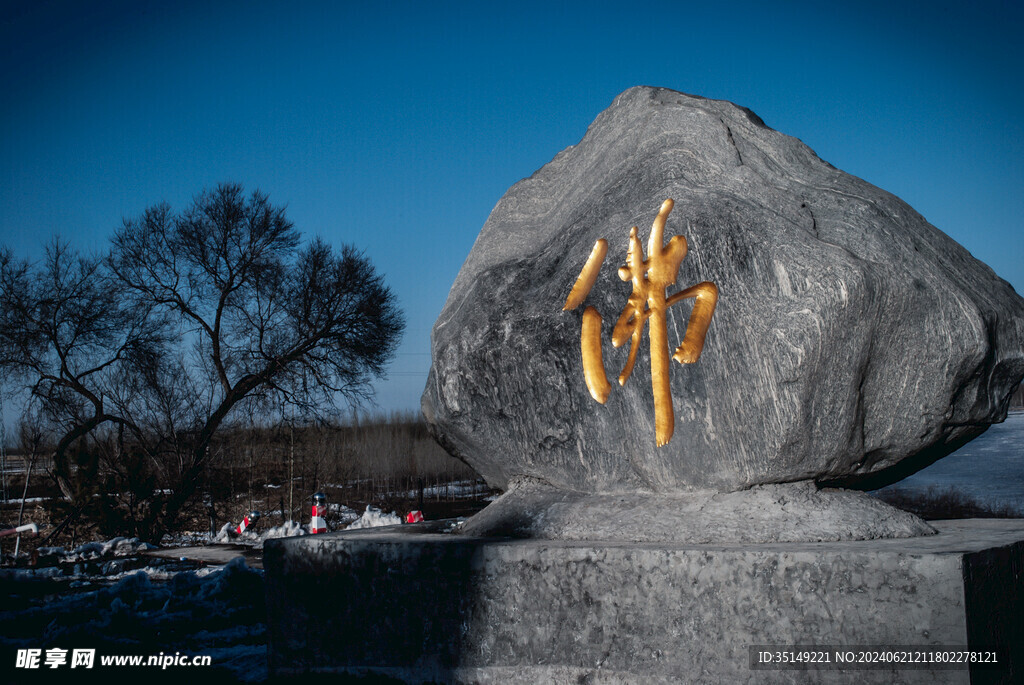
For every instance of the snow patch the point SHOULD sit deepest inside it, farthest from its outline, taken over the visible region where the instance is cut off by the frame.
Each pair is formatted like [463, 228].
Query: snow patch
[253, 538]
[118, 547]
[218, 612]
[374, 518]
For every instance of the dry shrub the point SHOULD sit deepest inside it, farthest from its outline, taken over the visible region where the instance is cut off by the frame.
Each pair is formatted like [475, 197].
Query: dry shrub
[944, 503]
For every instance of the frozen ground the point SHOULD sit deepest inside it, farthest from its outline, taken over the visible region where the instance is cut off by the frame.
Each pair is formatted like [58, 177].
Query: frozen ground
[989, 469]
[112, 597]
[219, 613]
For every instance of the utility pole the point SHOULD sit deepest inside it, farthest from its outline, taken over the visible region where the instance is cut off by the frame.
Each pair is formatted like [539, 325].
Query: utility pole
[291, 465]
[3, 448]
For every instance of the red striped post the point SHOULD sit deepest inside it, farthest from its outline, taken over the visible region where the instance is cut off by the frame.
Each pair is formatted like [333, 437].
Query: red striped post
[251, 518]
[318, 525]
[30, 528]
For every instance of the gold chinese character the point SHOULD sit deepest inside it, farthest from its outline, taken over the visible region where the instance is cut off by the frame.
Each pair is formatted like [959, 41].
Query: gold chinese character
[650, 277]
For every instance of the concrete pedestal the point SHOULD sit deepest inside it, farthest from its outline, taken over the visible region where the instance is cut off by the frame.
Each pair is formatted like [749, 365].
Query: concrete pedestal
[419, 605]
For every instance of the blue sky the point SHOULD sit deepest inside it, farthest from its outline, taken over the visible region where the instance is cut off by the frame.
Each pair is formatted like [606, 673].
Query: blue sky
[397, 126]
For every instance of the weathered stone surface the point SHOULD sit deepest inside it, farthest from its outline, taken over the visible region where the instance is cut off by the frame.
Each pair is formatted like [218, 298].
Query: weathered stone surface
[786, 512]
[853, 342]
[408, 603]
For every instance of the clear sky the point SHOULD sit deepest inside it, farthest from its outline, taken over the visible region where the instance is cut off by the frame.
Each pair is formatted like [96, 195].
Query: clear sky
[397, 126]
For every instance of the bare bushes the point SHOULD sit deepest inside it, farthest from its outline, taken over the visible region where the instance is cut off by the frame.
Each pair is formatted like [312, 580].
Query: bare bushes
[944, 503]
[382, 460]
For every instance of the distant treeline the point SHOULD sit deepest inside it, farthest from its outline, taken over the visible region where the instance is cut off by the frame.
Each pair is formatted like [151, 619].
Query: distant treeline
[382, 459]
[370, 458]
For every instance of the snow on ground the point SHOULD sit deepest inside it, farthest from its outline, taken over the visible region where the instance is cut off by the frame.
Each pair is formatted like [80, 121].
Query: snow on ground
[456, 489]
[112, 597]
[104, 563]
[219, 613]
[95, 564]
[988, 469]
[341, 518]
[117, 547]
[374, 517]
[26, 500]
[254, 537]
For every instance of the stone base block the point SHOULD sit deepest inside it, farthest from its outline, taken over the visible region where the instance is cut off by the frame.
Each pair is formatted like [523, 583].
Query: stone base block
[419, 605]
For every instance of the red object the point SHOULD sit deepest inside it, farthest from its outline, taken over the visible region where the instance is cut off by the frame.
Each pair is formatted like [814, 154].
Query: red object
[318, 525]
[414, 517]
[250, 519]
[30, 528]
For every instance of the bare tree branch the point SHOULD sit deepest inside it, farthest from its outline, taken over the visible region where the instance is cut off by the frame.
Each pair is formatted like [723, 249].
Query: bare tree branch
[191, 314]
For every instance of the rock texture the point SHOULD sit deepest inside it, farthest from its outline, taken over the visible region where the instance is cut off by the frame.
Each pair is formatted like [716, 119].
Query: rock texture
[853, 342]
[786, 512]
[407, 604]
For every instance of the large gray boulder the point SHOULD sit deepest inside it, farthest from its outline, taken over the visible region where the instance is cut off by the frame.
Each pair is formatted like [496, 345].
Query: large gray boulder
[853, 342]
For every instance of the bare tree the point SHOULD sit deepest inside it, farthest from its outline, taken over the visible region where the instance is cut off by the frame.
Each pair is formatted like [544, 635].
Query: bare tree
[193, 314]
[30, 438]
[67, 334]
